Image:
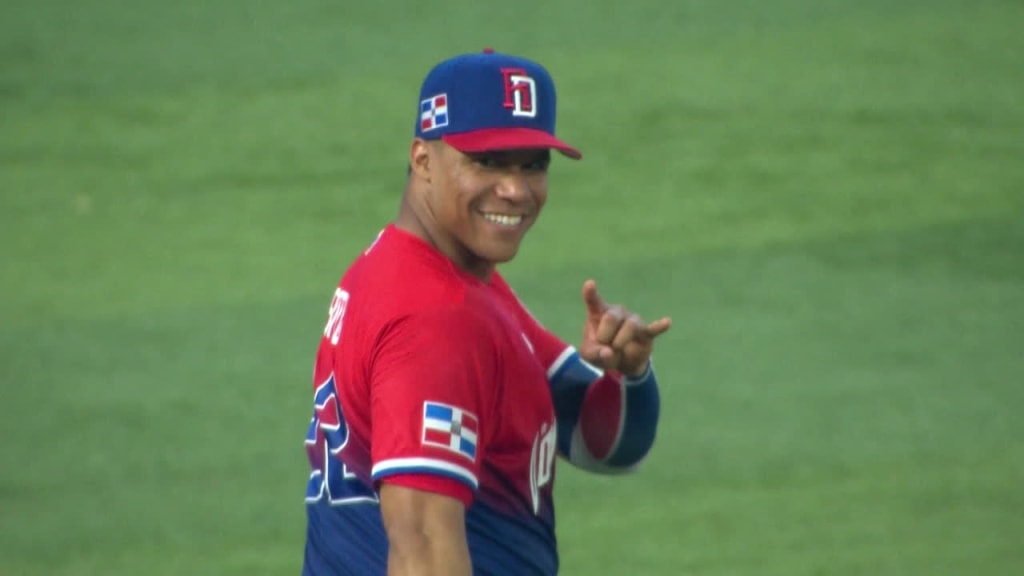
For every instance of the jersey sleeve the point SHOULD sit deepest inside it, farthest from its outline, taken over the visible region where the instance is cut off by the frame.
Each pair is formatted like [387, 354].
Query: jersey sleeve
[432, 380]
[606, 422]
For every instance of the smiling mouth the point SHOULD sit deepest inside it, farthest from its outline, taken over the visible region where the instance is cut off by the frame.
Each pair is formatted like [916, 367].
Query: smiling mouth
[503, 219]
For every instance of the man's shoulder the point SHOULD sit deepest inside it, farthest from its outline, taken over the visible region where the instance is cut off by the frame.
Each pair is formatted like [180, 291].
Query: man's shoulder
[403, 285]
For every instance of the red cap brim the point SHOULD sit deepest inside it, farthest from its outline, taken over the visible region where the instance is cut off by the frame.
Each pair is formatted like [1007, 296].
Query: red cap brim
[490, 139]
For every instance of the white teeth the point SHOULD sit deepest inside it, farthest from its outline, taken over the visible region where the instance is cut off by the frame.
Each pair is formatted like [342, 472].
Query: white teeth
[504, 219]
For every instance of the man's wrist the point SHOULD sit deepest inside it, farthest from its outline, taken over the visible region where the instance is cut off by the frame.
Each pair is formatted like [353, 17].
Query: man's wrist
[639, 375]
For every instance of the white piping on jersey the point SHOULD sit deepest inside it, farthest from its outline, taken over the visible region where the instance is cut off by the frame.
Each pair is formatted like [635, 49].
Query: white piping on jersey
[561, 360]
[564, 357]
[397, 465]
[581, 458]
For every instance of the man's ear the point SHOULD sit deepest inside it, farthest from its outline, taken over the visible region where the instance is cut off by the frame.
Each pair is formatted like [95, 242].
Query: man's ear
[420, 161]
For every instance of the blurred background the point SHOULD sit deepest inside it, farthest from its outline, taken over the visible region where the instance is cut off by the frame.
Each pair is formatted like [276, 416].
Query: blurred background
[826, 196]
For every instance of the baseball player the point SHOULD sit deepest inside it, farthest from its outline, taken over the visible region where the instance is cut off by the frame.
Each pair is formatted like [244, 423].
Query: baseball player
[440, 403]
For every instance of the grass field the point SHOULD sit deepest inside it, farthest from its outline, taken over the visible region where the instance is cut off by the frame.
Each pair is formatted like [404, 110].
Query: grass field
[826, 195]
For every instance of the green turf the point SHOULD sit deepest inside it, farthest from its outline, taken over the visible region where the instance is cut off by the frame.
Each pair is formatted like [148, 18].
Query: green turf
[827, 196]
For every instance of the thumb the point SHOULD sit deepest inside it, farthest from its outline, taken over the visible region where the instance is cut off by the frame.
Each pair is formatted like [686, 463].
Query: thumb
[595, 304]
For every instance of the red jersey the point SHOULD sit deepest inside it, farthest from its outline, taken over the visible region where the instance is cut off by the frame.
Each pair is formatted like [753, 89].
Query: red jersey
[428, 377]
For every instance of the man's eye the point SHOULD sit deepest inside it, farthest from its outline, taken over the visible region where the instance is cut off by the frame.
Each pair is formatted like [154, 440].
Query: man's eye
[486, 161]
[536, 165]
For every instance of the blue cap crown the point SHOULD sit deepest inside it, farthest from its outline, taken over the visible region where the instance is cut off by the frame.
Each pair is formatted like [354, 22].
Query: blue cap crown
[489, 101]
[485, 91]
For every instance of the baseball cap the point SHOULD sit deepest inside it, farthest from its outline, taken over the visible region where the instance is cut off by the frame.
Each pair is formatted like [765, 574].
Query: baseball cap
[490, 101]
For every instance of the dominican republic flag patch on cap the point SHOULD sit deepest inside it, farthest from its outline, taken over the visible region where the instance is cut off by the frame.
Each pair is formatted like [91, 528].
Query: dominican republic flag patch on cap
[450, 428]
[434, 112]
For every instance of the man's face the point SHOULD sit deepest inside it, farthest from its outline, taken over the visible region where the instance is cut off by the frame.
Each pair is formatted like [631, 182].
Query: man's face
[485, 202]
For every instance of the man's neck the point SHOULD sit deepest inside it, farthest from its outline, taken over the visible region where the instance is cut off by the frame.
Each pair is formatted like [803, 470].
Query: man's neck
[424, 228]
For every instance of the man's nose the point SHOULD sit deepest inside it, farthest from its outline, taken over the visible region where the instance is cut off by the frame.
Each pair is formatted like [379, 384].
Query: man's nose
[512, 185]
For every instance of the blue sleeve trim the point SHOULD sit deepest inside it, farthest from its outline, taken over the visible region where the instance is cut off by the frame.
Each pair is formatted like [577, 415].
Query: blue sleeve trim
[643, 409]
[568, 388]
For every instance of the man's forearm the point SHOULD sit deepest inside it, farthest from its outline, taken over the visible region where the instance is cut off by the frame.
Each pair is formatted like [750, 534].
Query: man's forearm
[426, 533]
[423, 554]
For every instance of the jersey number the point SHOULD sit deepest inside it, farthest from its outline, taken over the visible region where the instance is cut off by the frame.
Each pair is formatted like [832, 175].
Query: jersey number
[325, 439]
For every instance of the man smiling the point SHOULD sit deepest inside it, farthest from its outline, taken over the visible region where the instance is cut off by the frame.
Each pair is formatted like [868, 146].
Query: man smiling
[439, 402]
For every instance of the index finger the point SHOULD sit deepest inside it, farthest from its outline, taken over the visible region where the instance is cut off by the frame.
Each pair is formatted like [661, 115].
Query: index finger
[595, 304]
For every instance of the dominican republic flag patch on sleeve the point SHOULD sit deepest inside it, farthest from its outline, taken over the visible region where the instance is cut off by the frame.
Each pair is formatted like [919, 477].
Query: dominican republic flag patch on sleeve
[434, 112]
[450, 428]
